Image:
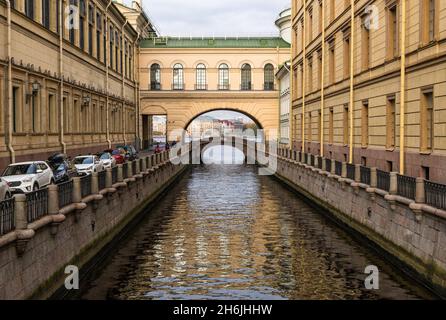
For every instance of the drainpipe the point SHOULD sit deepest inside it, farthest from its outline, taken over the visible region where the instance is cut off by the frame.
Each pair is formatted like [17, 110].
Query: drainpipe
[304, 78]
[352, 101]
[107, 62]
[403, 86]
[62, 117]
[8, 136]
[321, 134]
[123, 84]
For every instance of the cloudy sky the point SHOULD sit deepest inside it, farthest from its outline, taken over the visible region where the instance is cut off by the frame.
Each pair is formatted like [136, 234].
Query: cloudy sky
[215, 17]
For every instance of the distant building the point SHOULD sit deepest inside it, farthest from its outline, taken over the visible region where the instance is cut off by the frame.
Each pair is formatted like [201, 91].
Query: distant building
[283, 77]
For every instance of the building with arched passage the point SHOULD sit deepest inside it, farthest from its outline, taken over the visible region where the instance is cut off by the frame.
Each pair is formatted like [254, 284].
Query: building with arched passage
[183, 78]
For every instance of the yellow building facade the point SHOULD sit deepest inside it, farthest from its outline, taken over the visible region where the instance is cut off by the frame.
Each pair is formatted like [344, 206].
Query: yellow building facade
[183, 78]
[369, 83]
[67, 76]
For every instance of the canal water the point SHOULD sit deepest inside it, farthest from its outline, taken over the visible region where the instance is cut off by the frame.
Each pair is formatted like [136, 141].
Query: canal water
[224, 232]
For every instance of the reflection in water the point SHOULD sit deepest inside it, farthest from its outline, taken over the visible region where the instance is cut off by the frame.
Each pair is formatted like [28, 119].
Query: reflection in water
[223, 232]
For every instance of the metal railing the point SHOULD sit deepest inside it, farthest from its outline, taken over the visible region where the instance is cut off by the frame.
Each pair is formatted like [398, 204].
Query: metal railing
[406, 186]
[351, 171]
[224, 86]
[86, 186]
[155, 86]
[319, 163]
[134, 167]
[7, 216]
[36, 204]
[201, 86]
[365, 175]
[328, 165]
[125, 170]
[65, 193]
[178, 86]
[338, 168]
[114, 175]
[383, 180]
[101, 179]
[246, 86]
[435, 194]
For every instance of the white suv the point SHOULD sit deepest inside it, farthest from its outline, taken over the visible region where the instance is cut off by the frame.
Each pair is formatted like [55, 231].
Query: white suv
[86, 165]
[25, 177]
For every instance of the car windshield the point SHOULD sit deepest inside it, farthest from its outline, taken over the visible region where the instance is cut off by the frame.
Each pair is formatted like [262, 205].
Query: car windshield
[115, 152]
[61, 167]
[105, 156]
[20, 169]
[83, 160]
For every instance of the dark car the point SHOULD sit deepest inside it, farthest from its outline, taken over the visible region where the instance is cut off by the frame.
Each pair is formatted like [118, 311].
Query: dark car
[60, 166]
[130, 152]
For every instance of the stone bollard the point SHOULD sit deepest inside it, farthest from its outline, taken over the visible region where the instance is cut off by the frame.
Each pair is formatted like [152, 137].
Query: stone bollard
[316, 161]
[333, 167]
[94, 183]
[324, 164]
[149, 162]
[373, 178]
[108, 177]
[21, 219]
[130, 169]
[144, 164]
[77, 194]
[393, 183]
[309, 159]
[53, 199]
[420, 194]
[357, 173]
[120, 173]
[344, 170]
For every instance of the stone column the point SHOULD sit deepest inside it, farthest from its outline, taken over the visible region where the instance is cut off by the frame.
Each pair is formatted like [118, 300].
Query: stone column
[53, 199]
[393, 183]
[137, 168]
[77, 194]
[144, 164]
[344, 170]
[21, 219]
[108, 178]
[120, 173]
[130, 170]
[373, 178]
[94, 183]
[149, 162]
[324, 164]
[357, 173]
[316, 161]
[333, 167]
[420, 194]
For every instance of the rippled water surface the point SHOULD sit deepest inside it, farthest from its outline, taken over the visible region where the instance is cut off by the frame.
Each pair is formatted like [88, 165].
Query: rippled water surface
[224, 232]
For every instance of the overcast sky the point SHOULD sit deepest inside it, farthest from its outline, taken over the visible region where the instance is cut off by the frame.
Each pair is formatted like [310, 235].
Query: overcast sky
[219, 17]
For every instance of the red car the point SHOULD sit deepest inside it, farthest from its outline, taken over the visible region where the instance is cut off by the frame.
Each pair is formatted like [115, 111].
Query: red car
[119, 156]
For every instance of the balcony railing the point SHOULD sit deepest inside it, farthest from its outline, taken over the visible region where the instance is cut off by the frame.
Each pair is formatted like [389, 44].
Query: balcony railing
[365, 175]
[406, 186]
[7, 216]
[125, 170]
[86, 186]
[201, 86]
[155, 86]
[224, 86]
[114, 175]
[101, 179]
[383, 180]
[36, 204]
[338, 168]
[178, 86]
[351, 171]
[246, 86]
[435, 194]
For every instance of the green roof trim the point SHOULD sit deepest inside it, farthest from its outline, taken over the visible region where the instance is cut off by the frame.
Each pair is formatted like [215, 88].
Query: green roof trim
[205, 43]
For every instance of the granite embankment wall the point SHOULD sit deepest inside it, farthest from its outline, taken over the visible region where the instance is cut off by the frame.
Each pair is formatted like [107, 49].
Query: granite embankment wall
[413, 234]
[34, 255]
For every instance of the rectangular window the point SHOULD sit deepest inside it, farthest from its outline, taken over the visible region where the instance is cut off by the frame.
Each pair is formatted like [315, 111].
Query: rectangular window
[82, 10]
[52, 113]
[319, 70]
[427, 121]
[332, 9]
[390, 123]
[347, 54]
[310, 26]
[34, 114]
[331, 62]
[310, 75]
[111, 47]
[72, 30]
[29, 8]
[309, 127]
[345, 124]
[365, 44]
[90, 29]
[331, 126]
[428, 20]
[105, 42]
[365, 123]
[66, 117]
[75, 117]
[319, 125]
[393, 41]
[98, 35]
[46, 13]
[16, 109]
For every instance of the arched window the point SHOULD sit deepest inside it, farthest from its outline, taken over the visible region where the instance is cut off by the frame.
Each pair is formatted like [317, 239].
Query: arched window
[268, 73]
[155, 77]
[223, 77]
[178, 77]
[246, 77]
[201, 77]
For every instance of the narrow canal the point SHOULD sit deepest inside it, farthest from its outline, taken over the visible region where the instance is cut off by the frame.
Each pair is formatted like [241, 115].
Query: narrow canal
[224, 232]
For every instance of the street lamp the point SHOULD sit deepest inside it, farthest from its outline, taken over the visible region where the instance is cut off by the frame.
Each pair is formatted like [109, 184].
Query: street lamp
[35, 88]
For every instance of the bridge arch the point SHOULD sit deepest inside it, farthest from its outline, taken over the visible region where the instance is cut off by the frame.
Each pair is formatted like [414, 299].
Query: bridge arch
[250, 116]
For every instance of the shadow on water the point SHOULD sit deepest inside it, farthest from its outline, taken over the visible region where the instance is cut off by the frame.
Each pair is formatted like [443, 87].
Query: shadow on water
[224, 232]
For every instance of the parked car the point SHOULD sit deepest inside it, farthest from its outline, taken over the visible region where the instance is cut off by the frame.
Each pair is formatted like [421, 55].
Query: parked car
[119, 156]
[107, 160]
[30, 176]
[5, 192]
[86, 165]
[60, 166]
[130, 151]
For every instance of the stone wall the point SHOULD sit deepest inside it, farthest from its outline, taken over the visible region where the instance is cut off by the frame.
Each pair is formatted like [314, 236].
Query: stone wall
[33, 260]
[413, 235]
